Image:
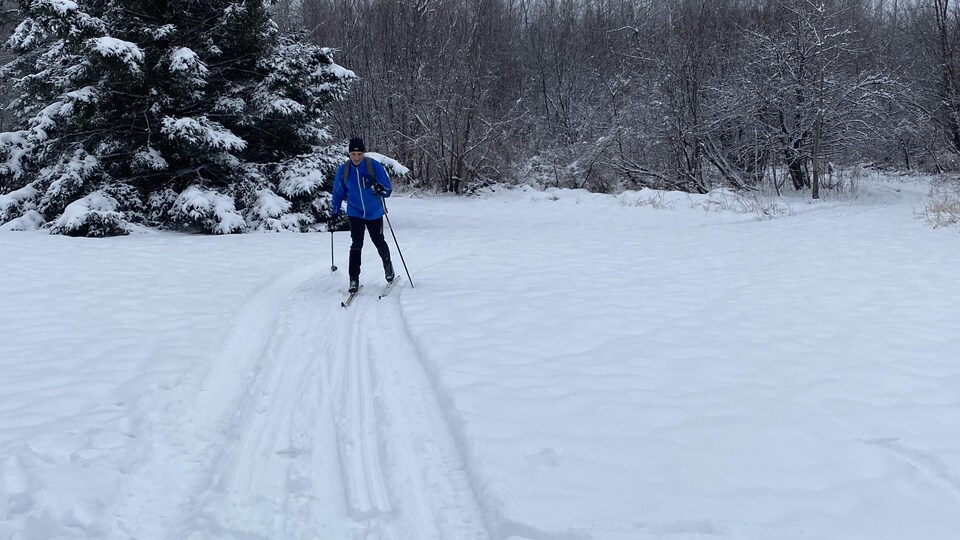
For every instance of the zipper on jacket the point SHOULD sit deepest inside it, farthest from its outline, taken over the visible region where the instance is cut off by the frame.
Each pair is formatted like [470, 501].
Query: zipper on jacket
[360, 191]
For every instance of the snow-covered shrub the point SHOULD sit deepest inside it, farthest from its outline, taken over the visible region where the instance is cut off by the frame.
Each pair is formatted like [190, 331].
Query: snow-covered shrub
[206, 211]
[31, 220]
[129, 201]
[94, 215]
[183, 121]
[18, 202]
[651, 198]
[65, 181]
[845, 183]
[550, 169]
[14, 148]
[159, 204]
[272, 213]
[942, 207]
[306, 180]
[740, 202]
[305, 175]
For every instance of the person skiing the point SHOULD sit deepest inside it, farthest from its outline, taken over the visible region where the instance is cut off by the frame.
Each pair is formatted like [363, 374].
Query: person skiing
[363, 182]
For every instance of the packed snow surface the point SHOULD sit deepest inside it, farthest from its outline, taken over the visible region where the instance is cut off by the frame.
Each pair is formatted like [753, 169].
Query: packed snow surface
[568, 366]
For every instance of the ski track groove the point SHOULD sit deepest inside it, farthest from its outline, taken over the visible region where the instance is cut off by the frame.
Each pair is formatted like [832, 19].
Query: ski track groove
[360, 438]
[256, 467]
[315, 422]
[434, 483]
[923, 462]
[191, 434]
[404, 473]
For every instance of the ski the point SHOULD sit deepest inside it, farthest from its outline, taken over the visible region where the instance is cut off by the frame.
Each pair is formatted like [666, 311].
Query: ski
[349, 299]
[388, 287]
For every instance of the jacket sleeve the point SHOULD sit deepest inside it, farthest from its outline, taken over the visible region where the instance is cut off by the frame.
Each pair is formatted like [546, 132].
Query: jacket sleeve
[382, 178]
[339, 190]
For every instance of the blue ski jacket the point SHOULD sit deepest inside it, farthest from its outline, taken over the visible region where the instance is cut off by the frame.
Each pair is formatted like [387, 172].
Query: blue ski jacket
[356, 185]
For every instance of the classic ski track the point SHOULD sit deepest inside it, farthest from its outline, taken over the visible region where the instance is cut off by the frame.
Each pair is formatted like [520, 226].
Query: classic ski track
[924, 462]
[267, 425]
[262, 478]
[312, 418]
[431, 490]
[360, 438]
[198, 432]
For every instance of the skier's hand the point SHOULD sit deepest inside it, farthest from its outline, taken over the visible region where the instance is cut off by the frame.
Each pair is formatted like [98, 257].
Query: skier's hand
[333, 221]
[378, 189]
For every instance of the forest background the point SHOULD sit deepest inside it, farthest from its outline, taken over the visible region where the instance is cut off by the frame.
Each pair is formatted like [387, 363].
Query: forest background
[621, 94]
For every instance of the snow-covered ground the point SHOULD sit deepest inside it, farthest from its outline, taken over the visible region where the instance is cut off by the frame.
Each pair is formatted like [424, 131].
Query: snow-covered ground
[569, 366]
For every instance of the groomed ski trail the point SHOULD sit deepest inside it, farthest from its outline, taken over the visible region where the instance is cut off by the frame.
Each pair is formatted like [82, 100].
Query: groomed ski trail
[403, 472]
[316, 422]
[167, 492]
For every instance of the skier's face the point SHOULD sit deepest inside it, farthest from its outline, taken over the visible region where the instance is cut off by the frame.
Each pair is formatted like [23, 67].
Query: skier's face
[356, 157]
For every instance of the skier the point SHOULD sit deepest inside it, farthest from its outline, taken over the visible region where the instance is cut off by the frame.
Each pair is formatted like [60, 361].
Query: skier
[363, 182]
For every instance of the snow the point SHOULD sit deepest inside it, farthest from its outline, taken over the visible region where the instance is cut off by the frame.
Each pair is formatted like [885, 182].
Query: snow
[160, 32]
[31, 220]
[203, 132]
[87, 94]
[230, 105]
[62, 7]
[16, 198]
[183, 59]
[68, 177]
[272, 213]
[271, 205]
[125, 51]
[285, 107]
[198, 204]
[569, 366]
[337, 70]
[393, 166]
[149, 159]
[305, 175]
[301, 176]
[44, 120]
[16, 145]
[94, 205]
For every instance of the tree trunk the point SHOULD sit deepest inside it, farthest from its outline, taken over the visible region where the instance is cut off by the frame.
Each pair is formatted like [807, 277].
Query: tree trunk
[817, 136]
[817, 126]
[795, 167]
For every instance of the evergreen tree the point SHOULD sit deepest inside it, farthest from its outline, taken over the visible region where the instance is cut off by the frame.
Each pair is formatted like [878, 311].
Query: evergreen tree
[189, 114]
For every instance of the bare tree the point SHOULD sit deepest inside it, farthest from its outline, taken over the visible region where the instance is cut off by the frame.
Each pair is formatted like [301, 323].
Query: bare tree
[947, 23]
[607, 94]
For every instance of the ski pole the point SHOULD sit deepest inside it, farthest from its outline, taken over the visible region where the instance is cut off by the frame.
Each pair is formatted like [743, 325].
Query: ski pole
[385, 214]
[333, 266]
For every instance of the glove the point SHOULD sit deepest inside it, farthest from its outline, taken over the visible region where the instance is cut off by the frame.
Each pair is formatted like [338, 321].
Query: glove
[378, 189]
[333, 221]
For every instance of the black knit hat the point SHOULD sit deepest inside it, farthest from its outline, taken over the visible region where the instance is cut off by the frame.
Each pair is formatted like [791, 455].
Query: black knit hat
[356, 145]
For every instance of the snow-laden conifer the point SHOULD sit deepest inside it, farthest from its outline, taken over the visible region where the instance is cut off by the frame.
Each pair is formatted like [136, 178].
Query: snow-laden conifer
[188, 114]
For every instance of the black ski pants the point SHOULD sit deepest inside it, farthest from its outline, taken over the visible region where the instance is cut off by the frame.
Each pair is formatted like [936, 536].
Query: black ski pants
[375, 228]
